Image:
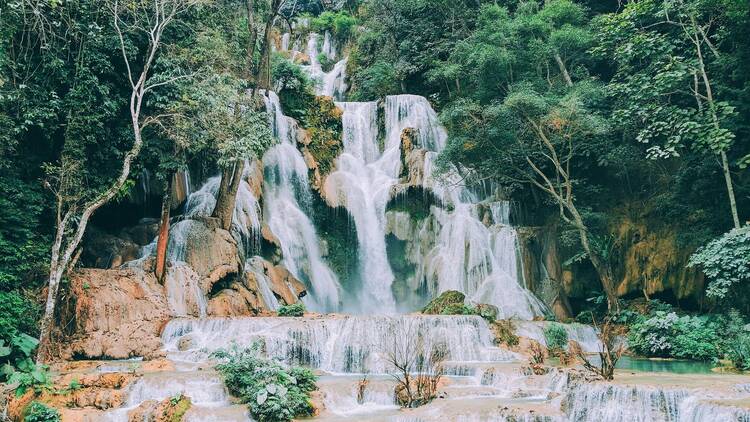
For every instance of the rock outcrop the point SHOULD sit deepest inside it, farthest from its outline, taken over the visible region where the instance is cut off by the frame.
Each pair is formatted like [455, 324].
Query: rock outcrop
[210, 251]
[113, 314]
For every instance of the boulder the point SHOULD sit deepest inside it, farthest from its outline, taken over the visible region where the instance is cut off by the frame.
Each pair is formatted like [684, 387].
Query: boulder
[210, 251]
[113, 314]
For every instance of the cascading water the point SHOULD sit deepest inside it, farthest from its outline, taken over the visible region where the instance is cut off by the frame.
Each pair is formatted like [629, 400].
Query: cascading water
[287, 204]
[362, 183]
[465, 242]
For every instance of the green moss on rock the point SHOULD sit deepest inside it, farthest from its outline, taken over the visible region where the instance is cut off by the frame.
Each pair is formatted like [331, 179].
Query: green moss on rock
[446, 300]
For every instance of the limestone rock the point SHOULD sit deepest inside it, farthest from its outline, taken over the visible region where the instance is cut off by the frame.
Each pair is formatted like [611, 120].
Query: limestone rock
[254, 177]
[105, 250]
[211, 252]
[115, 314]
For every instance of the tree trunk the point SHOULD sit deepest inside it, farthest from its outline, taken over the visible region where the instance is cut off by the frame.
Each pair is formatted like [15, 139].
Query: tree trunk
[563, 70]
[227, 196]
[163, 240]
[253, 37]
[602, 269]
[263, 74]
[715, 121]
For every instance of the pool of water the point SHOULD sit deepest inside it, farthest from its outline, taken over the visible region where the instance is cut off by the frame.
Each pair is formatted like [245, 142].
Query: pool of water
[664, 365]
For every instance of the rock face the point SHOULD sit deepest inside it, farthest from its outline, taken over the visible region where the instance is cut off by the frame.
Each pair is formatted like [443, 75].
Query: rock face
[115, 314]
[211, 252]
[542, 268]
[651, 262]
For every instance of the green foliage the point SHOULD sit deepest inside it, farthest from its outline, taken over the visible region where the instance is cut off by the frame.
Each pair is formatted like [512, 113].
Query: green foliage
[450, 299]
[341, 24]
[505, 332]
[556, 337]
[726, 263]
[18, 314]
[293, 310]
[271, 391]
[669, 335]
[293, 86]
[17, 366]
[457, 309]
[38, 412]
[323, 123]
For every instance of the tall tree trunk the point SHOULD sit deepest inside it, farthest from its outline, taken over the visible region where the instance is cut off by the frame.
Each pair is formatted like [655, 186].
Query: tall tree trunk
[563, 70]
[253, 37]
[163, 240]
[602, 269]
[227, 196]
[715, 120]
[263, 74]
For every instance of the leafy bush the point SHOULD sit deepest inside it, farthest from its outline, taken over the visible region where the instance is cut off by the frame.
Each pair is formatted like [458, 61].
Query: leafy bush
[739, 352]
[294, 87]
[18, 314]
[556, 337]
[38, 412]
[505, 332]
[669, 335]
[326, 64]
[726, 263]
[293, 310]
[271, 391]
[340, 24]
[18, 368]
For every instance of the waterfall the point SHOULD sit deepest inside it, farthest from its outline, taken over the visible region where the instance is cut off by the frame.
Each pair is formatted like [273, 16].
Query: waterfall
[362, 184]
[341, 344]
[332, 83]
[287, 204]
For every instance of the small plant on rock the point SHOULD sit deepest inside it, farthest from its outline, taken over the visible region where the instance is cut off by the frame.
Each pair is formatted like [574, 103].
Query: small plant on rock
[273, 392]
[293, 310]
[505, 332]
[38, 412]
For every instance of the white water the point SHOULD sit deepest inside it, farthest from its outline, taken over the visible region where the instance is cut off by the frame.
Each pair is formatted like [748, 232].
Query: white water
[287, 204]
[362, 183]
[340, 344]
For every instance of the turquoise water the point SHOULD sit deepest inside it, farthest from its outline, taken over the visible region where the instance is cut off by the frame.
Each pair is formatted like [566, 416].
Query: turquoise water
[664, 365]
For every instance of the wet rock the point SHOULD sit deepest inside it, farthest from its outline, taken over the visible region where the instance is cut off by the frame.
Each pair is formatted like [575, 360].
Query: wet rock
[211, 252]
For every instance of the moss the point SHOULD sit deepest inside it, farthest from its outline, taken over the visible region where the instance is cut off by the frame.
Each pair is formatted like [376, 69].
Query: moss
[447, 300]
[323, 122]
[336, 228]
[179, 405]
[415, 200]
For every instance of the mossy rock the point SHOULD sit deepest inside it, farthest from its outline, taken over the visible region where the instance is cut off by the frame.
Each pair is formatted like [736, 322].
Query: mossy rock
[458, 309]
[438, 305]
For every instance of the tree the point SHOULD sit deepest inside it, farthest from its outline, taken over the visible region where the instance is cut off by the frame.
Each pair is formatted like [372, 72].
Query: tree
[532, 115]
[663, 88]
[726, 263]
[74, 209]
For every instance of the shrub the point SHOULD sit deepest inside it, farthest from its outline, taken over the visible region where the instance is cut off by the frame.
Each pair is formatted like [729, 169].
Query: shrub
[293, 86]
[505, 332]
[666, 334]
[17, 366]
[271, 391]
[340, 24]
[449, 298]
[556, 337]
[326, 64]
[726, 263]
[18, 314]
[38, 412]
[293, 310]
[739, 352]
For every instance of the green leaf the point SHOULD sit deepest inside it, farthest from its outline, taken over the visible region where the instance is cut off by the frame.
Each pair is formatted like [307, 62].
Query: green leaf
[25, 343]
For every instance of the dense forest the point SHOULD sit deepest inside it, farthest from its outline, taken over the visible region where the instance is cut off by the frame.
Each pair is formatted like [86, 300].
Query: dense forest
[618, 129]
